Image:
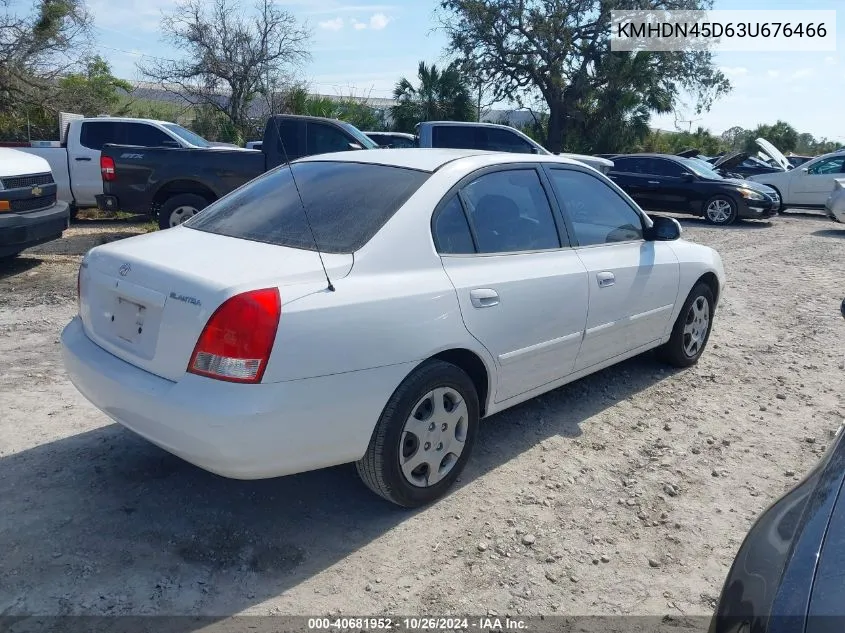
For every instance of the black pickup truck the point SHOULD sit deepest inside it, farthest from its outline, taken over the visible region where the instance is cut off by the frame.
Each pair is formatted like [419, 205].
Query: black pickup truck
[174, 184]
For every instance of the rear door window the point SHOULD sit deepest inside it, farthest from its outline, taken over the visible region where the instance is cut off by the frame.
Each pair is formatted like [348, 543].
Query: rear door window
[95, 134]
[452, 234]
[510, 212]
[347, 204]
[456, 137]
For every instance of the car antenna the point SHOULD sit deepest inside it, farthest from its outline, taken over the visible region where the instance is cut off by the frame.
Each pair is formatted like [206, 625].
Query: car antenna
[304, 210]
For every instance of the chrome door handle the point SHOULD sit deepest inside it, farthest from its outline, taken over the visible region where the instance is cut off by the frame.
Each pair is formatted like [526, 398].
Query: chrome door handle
[605, 279]
[484, 297]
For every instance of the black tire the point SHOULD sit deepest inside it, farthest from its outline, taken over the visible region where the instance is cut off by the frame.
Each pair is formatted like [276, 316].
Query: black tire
[180, 201]
[380, 468]
[674, 351]
[731, 216]
[780, 195]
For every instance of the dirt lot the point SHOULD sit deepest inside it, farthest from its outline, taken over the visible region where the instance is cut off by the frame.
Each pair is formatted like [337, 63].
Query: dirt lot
[624, 493]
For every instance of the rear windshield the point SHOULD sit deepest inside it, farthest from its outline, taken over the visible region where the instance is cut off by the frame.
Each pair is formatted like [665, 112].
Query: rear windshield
[347, 204]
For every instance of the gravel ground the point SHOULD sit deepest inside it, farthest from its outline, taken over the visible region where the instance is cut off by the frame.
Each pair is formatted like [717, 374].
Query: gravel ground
[627, 492]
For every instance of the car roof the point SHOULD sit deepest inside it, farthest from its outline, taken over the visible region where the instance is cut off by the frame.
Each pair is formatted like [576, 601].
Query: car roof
[432, 159]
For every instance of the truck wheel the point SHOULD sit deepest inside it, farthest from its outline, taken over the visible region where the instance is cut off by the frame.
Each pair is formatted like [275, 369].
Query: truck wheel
[180, 208]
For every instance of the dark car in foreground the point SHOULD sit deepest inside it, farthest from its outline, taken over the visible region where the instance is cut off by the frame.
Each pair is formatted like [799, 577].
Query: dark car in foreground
[789, 574]
[661, 182]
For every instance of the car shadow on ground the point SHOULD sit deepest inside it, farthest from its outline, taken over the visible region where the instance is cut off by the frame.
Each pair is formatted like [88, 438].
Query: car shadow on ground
[17, 266]
[101, 500]
[738, 225]
[81, 243]
[840, 232]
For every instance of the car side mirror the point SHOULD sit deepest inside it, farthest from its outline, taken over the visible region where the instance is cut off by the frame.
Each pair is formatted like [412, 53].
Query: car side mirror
[804, 170]
[355, 146]
[663, 229]
[687, 177]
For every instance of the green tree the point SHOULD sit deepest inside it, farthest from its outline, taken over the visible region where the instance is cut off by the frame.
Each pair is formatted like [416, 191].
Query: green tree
[37, 48]
[560, 50]
[734, 138]
[231, 56]
[438, 95]
[94, 91]
[615, 110]
[781, 135]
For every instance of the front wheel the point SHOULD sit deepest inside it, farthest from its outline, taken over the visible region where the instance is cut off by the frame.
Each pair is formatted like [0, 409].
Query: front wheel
[424, 436]
[720, 210]
[691, 330]
[180, 208]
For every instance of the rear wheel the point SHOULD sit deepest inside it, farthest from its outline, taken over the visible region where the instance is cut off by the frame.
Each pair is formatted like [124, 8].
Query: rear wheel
[180, 208]
[720, 210]
[424, 436]
[691, 330]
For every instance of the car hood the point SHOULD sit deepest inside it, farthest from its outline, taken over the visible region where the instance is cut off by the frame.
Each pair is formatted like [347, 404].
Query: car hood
[748, 184]
[16, 163]
[730, 160]
[774, 153]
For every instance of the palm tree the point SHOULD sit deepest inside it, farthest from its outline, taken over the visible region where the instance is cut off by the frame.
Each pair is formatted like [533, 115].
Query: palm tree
[439, 95]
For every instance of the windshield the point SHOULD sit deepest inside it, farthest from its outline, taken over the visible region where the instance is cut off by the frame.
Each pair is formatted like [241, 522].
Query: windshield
[187, 135]
[363, 140]
[701, 168]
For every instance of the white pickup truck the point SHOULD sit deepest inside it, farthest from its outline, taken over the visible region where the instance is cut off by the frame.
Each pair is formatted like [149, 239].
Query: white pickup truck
[75, 162]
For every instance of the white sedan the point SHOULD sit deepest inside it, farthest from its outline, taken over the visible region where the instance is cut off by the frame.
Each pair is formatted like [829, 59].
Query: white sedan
[808, 185]
[448, 285]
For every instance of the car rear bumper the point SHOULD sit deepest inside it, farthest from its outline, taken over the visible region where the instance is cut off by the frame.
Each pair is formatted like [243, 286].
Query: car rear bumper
[22, 230]
[233, 430]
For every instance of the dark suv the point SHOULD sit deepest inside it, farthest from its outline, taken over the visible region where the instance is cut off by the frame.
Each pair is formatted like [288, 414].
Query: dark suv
[660, 182]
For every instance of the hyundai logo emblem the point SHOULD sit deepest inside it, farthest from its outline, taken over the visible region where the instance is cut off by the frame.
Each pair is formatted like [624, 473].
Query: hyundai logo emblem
[124, 270]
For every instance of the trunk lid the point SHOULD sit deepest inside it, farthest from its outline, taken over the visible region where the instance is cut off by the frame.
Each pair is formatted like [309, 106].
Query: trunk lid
[774, 153]
[146, 299]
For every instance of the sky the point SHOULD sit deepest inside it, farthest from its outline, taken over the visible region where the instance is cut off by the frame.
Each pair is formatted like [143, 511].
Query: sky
[363, 49]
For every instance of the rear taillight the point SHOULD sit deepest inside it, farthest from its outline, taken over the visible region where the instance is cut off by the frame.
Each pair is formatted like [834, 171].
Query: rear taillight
[107, 168]
[236, 342]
